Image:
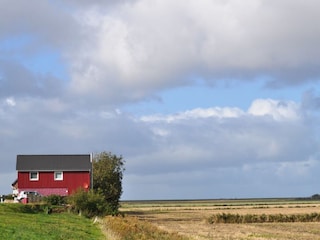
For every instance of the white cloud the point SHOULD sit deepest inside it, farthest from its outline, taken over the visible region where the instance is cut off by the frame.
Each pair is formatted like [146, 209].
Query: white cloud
[197, 113]
[279, 110]
[10, 102]
[145, 46]
[121, 51]
[220, 139]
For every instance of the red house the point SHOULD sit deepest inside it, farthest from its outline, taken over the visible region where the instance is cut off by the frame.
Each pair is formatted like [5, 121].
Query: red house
[53, 174]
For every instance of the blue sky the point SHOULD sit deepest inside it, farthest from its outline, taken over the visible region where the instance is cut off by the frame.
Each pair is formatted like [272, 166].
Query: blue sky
[236, 94]
[203, 99]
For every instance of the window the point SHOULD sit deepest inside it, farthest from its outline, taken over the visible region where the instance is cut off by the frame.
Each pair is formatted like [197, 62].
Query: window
[34, 176]
[58, 176]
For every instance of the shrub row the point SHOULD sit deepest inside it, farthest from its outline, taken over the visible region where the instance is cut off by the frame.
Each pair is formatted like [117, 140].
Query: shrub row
[262, 218]
[88, 204]
[131, 228]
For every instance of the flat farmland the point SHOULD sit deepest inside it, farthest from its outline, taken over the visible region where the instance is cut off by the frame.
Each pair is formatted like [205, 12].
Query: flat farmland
[190, 218]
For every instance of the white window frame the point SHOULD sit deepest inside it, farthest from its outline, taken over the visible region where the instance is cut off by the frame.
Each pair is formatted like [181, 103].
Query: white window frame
[32, 178]
[60, 177]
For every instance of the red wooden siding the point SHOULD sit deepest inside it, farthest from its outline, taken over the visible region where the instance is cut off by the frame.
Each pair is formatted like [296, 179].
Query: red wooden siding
[71, 181]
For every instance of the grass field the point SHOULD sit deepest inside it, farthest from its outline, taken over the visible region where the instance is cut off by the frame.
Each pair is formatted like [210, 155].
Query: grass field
[20, 222]
[170, 220]
[190, 218]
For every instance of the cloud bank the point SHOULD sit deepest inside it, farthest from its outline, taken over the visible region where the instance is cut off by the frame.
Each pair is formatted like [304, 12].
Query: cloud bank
[69, 68]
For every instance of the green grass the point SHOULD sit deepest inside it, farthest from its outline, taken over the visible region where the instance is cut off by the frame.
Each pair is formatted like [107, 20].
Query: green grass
[19, 221]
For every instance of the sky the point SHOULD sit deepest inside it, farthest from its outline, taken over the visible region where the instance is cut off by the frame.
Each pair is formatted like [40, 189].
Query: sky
[202, 99]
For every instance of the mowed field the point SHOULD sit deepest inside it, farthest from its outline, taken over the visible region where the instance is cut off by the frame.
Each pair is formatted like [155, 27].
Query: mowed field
[190, 218]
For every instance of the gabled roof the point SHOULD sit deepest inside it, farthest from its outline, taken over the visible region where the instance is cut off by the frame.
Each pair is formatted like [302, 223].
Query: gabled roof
[53, 163]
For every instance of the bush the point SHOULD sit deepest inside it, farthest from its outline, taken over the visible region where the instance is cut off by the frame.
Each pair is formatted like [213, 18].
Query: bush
[8, 197]
[55, 200]
[89, 203]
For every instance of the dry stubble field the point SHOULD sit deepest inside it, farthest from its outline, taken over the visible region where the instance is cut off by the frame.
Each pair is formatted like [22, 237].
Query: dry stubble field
[190, 218]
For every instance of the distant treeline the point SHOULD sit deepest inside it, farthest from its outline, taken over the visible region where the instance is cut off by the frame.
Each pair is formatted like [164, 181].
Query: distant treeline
[315, 197]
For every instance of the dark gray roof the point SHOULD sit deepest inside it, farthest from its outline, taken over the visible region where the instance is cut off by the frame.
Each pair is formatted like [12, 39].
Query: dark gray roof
[53, 162]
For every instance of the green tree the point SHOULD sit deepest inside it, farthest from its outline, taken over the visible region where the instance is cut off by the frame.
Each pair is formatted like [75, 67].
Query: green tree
[107, 177]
